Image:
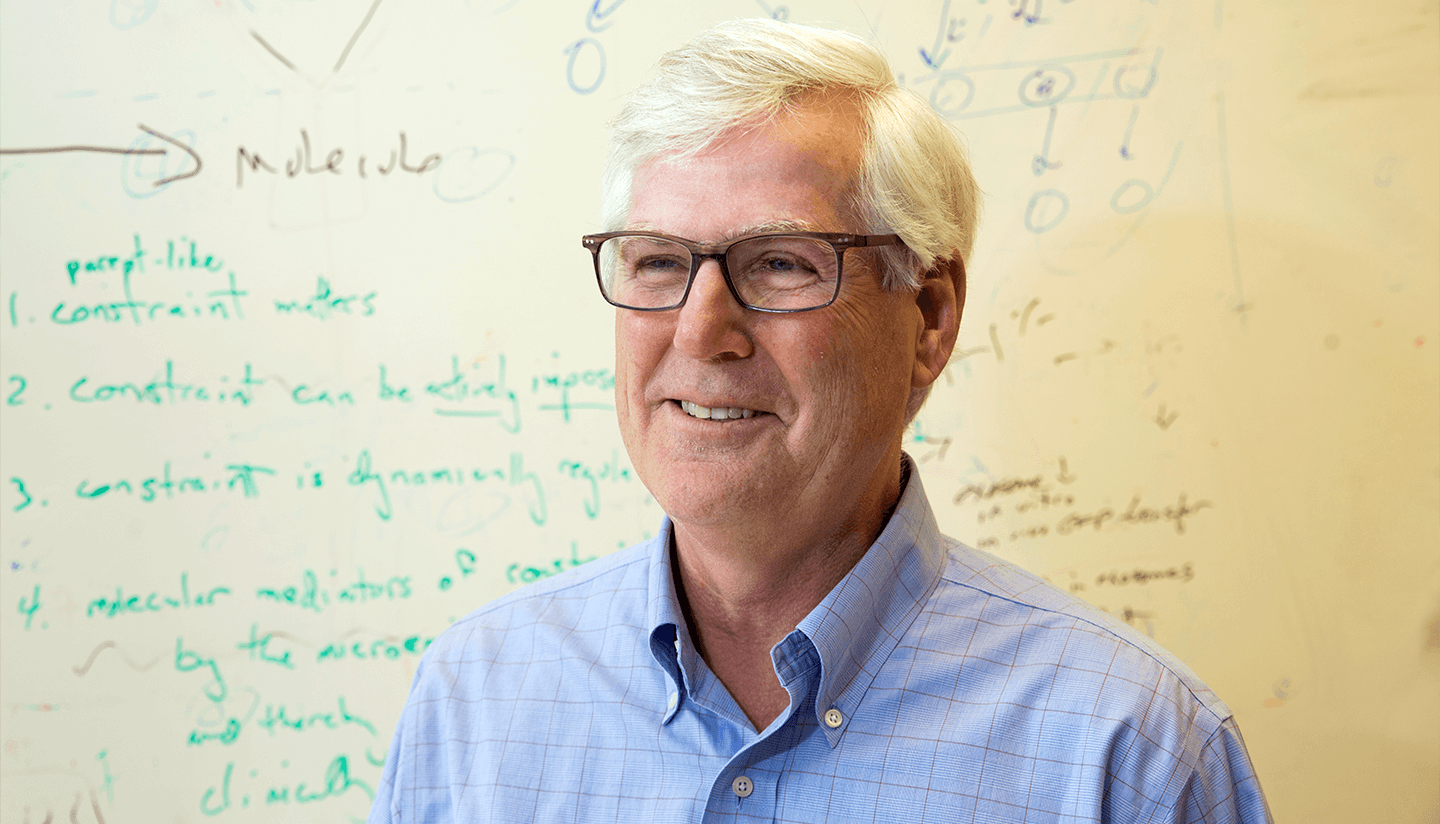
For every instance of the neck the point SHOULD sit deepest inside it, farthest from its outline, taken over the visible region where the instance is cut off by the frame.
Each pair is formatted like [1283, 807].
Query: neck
[743, 590]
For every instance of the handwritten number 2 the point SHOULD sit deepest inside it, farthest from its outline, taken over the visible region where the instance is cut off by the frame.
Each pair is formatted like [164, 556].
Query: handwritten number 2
[14, 399]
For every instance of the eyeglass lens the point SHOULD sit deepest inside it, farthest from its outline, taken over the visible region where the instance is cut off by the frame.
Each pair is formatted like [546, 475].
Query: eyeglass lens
[772, 272]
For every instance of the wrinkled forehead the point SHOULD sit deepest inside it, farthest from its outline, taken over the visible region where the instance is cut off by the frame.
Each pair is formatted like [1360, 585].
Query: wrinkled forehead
[828, 125]
[799, 169]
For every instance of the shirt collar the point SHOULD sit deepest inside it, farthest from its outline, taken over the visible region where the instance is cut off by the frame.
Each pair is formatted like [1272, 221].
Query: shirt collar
[666, 622]
[853, 629]
[856, 627]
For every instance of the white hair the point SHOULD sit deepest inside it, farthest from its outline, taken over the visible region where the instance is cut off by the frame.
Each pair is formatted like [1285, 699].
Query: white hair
[915, 180]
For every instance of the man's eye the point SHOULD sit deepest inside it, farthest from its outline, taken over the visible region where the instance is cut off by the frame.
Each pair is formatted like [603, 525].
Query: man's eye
[657, 264]
[780, 264]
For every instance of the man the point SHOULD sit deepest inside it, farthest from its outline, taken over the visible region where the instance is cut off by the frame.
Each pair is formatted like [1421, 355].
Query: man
[799, 643]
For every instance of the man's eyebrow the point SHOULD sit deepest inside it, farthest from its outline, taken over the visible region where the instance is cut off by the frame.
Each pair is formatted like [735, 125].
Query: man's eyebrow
[776, 226]
[768, 227]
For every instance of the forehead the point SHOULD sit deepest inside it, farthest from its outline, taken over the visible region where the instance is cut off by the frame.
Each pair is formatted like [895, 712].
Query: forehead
[798, 169]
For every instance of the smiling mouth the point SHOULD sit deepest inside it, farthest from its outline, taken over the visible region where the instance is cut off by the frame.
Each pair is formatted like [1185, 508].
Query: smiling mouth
[716, 413]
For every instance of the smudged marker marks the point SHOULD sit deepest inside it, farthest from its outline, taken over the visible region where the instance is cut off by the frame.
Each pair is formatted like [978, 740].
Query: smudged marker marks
[1281, 692]
[109, 781]
[470, 172]
[1164, 419]
[1387, 169]
[138, 12]
[1228, 199]
[81, 669]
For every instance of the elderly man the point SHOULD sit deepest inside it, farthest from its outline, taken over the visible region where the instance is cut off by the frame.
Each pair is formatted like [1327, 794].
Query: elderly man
[799, 643]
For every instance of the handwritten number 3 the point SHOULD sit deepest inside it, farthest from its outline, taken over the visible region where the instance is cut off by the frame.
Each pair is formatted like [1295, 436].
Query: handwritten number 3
[14, 400]
[20, 487]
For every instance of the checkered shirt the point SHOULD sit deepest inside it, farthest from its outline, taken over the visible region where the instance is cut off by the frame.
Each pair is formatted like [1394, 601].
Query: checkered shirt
[934, 683]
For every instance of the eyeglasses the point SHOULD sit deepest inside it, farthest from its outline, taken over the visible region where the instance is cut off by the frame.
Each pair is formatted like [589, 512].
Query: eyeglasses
[783, 272]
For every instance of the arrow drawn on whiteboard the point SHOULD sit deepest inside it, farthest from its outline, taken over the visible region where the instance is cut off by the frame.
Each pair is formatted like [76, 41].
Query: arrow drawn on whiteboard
[111, 150]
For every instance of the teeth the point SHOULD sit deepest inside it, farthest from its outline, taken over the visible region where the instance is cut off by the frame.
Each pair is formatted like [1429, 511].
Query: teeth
[718, 413]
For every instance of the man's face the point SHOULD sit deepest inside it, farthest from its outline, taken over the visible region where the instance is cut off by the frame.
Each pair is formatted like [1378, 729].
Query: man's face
[828, 387]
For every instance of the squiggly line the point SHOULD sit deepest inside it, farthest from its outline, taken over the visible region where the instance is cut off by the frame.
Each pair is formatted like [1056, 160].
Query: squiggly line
[84, 668]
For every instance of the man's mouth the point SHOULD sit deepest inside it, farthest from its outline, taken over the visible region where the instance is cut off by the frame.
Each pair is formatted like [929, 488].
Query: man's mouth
[716, 413]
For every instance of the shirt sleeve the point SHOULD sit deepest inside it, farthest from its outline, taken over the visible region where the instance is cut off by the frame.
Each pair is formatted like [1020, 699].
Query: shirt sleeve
[401, 777]
[1223, 788]
[383, 809]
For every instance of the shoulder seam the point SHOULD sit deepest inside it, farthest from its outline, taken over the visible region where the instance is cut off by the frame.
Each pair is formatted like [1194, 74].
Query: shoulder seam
[1182, 680]
[538, 589]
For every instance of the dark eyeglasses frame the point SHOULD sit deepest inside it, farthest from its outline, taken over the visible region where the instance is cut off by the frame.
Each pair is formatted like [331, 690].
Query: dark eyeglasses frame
[699, 252]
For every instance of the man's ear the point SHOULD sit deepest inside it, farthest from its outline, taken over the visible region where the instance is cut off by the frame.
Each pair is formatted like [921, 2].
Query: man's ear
[941, 300]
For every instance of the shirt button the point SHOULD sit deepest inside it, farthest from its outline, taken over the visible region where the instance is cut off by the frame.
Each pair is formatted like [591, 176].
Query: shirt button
[833, 718]
[672, 701]
[743, 786]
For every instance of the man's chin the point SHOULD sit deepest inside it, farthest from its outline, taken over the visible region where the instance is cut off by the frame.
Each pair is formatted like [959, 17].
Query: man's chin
[712, 493]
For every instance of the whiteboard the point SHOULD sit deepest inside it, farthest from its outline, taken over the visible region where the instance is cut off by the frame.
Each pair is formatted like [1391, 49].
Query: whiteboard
[311, 363]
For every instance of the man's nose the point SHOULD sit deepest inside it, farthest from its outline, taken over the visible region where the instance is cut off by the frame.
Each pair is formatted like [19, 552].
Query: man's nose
[712, 325]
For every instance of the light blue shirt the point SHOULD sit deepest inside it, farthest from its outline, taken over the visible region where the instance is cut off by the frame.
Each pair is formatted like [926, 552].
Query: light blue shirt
[934, 683]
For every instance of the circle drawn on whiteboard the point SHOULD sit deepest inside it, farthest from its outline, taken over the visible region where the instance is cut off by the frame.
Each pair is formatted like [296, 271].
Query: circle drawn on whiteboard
[127, 14]
[1136, 204]
[1046, 86]
[945, 92]
[470, 172]
[467, 512]
[1135, 82]
[146, 175]
[573, 52]
[1046, 209]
